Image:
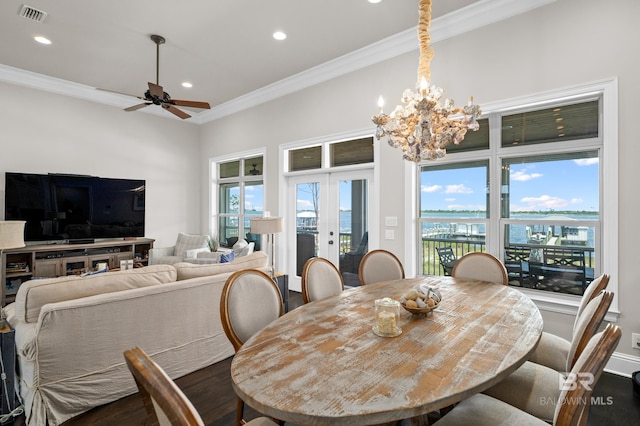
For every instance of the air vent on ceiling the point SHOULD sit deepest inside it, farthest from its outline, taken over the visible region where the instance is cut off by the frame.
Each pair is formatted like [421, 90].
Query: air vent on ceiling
[32, 14]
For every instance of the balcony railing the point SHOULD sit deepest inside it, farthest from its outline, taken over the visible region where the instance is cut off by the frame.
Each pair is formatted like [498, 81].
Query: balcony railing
[431, 260]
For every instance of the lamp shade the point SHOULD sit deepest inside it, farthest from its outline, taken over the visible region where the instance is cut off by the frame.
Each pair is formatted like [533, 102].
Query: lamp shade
[11, 233]
[267, 225]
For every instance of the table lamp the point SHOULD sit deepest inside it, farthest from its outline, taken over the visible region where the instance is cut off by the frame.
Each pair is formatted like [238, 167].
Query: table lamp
[11, 236]
[268, 226]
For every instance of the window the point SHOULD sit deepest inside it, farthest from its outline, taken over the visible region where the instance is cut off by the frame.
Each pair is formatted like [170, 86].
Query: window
[529, 187]
[453, 211]
[333, 154]
[237, 195]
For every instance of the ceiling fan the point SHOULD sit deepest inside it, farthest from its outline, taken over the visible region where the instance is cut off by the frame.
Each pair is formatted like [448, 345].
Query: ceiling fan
[157, 96]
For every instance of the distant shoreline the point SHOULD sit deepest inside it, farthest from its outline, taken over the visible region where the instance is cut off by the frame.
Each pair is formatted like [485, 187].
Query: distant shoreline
[537, 212]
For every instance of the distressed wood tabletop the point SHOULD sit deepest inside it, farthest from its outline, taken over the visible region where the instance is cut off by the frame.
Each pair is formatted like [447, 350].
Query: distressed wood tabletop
[322, 364]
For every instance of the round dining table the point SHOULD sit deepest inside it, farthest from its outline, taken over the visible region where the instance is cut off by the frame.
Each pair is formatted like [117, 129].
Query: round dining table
[322, 364]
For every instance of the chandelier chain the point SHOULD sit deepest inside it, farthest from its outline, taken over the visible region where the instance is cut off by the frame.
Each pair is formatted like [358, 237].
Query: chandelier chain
[424, 39]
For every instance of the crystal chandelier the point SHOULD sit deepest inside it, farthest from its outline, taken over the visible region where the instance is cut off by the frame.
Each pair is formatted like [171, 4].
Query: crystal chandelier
[423, 127]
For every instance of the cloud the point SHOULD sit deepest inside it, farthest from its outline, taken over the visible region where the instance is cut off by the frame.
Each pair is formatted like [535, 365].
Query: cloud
[456, 207]
[458, 189]
[577, 201]
[523, 176]
[470, 207]
[586, 161]
[544, 202]
[448, 200]
[305, 203]
[432, 188]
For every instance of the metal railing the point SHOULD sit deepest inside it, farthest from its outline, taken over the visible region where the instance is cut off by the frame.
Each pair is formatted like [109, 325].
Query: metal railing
[431, 260]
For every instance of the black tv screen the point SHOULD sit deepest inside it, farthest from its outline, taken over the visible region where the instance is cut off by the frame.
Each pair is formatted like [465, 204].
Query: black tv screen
[72, 207]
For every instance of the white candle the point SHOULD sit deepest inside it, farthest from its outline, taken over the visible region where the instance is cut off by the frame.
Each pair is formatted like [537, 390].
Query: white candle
[381, 103]
[423, 87]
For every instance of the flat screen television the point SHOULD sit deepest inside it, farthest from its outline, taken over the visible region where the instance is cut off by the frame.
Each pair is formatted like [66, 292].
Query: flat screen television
[75, 207]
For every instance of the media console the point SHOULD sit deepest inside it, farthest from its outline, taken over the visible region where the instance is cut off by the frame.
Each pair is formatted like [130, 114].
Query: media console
[55, 260]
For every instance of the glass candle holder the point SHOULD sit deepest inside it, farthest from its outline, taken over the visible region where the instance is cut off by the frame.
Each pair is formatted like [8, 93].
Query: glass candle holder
[387, 317]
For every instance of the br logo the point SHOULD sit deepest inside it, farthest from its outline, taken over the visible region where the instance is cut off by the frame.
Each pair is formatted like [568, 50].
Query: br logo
[573, 380]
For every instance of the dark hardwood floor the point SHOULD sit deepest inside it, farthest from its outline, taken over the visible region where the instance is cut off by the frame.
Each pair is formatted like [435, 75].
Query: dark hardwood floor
[211, 393]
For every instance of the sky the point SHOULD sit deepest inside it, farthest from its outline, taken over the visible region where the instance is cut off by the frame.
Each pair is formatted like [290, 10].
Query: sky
[305, 196]
[564, 185]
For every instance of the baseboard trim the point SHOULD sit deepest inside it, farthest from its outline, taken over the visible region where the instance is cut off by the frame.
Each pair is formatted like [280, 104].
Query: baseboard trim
[623, 364]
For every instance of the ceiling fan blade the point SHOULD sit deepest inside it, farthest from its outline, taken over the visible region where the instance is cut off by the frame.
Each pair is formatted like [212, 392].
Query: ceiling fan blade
[192, 104]
[156, 90]
[175, 111]
[136, 107]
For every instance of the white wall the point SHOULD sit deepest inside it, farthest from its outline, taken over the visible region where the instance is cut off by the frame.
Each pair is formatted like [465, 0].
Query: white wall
[567, 43]
[46, 133]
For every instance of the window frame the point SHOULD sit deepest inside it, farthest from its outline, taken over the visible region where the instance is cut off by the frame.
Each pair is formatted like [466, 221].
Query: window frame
[241, 179]
[607, 145]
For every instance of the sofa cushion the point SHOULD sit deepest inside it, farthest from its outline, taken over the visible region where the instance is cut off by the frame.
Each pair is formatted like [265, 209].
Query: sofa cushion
[239, 246]
[255, 260]
[34, 294]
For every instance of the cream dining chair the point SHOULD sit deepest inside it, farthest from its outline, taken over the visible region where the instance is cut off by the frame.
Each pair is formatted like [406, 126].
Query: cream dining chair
[532, 383]
[250, 301]
[480, 266]
[320, 279]
[165, 403]
[572, 402]
[379, 265]
[552, 351]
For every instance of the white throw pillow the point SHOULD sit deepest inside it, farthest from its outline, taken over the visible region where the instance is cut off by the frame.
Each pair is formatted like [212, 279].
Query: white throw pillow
[239, 246]
[246, 250]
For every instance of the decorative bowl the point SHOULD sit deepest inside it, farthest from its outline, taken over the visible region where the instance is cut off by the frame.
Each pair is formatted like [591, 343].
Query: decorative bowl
[421, 293]
[419, 311]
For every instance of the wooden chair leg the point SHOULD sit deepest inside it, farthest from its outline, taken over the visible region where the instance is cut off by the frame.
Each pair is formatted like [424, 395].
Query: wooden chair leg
[419, 421]
[239, 413]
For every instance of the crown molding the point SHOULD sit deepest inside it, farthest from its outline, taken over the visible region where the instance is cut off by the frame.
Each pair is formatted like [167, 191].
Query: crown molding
[472, 17]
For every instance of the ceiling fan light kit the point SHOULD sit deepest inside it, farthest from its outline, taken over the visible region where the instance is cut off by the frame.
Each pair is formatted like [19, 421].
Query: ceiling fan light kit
[156, 95]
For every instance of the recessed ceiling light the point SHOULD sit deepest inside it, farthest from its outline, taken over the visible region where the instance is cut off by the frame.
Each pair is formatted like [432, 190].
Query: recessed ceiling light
[374, 1]
[279, 35]
[41, 39]
[187, 84]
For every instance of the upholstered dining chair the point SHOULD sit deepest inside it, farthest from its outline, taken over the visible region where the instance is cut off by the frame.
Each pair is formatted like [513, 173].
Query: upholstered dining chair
[532, 383]
[379, 265]
[552, 351]
[320, 279]
[163, 400]
[480, 266]
[568, 406]
[250, 300]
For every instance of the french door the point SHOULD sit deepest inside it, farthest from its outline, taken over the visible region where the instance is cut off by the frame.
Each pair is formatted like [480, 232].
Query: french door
[332, 220]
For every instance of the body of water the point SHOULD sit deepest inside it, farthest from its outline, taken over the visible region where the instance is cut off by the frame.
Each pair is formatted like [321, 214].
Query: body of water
[518, 233]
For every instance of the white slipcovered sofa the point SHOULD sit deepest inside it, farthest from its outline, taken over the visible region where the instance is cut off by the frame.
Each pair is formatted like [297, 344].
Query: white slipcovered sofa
[71, 332]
